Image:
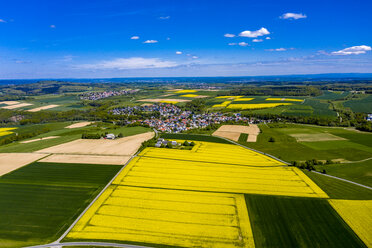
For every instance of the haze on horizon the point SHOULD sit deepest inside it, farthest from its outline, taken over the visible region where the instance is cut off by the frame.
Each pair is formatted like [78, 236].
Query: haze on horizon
[165, 38]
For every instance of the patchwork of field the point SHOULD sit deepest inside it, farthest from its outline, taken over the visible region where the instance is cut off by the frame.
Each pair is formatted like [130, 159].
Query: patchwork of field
[86, 159]
[189, 198]
[169, 217]
[122, 146]
[234, 132]
[9, 102]
[357, 214]
[12, 161]
[313, 137]
[43, 108]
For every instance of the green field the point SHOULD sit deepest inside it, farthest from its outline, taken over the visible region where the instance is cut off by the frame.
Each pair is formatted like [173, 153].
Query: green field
[360, 105]
[297, 222]
[40, 201]
[67, 135]
[337, 189]
[357, 146]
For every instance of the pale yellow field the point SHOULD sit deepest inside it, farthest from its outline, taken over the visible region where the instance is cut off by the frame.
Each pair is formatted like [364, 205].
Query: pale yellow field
[9, 102]
[86, 159]
[79, 124]
[256, 106]
[314, 137]
[6, 130]
[19, 105]
[12, 161]
[358, 215]
[43, 108]
[233, 132]
[169, 217]
[123, 146]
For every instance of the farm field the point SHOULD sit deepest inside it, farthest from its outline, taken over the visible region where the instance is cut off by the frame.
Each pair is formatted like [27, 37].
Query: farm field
[13, 161]
[151, 194]
[65, 135]
[234, 132]
[357, 214]
[360, 105]
[297, 222]
[121, 146]
[349, 145]
[39, 201]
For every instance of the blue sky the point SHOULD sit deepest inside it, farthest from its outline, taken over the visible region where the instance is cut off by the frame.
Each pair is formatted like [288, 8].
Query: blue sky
[142, 38]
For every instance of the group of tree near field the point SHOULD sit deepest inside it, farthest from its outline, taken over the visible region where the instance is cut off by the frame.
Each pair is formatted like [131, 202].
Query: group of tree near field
[310, 164]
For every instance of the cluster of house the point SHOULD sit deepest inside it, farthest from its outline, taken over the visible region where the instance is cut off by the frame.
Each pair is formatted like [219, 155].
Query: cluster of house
[104, 94]
[164, 109]
[174, 120]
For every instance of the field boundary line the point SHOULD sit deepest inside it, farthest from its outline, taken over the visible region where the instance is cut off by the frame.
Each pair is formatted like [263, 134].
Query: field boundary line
[358, 184]
[87, 244]
[94, 200]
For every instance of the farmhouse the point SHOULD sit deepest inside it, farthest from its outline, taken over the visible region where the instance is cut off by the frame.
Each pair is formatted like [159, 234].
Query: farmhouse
[110, 136]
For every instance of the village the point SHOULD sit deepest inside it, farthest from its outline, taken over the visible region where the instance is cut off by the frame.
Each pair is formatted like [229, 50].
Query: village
[173, 119]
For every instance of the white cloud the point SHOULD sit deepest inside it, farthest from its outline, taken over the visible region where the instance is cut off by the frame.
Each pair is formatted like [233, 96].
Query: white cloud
[353, 50]
[293, 16]
[134, 37]
[168, 38]
[130, 63]
[164, 17]
[254, 34]
[150, 41]
[277, 50]
[233, 44]
[52, 26]
[229, 35]
[268, 38]
[243, 44]
[2, 20]
[194, 57]
[257, 40]
[178, 52]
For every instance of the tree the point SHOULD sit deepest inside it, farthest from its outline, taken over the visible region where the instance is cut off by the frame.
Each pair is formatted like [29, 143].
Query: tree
[272, 139]
[120, 135]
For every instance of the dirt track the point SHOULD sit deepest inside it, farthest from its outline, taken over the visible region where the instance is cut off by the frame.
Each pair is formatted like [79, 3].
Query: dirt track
[79, 124]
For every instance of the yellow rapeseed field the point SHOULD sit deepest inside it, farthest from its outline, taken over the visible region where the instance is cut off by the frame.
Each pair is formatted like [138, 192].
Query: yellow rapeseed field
[172, 102]
[221, 105]
[358, 215]
[243, 99]
[189, 95]
[185, 91]
[6, 130]
[189, 198]
[169, 217]
[256, 106]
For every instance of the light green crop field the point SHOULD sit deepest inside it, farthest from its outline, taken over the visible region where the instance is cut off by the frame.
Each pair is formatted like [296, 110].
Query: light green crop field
[39, 202]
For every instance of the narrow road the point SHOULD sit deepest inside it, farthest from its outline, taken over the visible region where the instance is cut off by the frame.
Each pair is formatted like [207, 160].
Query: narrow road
[361, 185]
